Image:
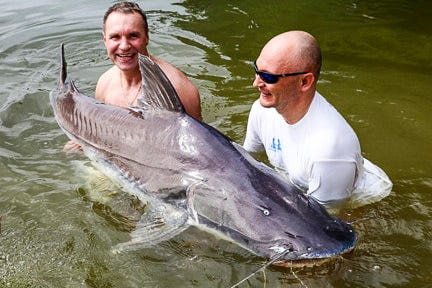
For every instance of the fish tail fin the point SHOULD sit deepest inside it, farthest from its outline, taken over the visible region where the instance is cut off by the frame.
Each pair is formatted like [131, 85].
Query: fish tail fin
[63, 71]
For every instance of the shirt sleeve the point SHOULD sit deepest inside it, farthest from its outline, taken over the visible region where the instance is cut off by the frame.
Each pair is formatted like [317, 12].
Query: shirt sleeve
[333, 181]
[252, 142]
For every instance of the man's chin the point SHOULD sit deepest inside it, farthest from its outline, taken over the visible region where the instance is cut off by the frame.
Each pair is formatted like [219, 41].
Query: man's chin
[126, 62]
[126, 66]
[266, 101]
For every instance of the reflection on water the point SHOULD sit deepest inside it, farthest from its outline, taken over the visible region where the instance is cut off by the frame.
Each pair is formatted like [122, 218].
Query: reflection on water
[58, 230]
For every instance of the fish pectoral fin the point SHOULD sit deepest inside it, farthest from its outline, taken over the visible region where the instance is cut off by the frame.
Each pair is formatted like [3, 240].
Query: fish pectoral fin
[155, 227]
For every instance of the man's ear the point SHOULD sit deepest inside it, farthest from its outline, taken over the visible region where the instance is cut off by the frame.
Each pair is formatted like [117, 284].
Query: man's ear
[307, 81]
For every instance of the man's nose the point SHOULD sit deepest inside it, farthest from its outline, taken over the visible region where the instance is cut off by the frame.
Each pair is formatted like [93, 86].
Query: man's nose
[124, 44]
[257, 81]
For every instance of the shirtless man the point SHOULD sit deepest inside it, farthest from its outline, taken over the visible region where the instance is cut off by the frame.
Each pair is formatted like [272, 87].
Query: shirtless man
[125, 34]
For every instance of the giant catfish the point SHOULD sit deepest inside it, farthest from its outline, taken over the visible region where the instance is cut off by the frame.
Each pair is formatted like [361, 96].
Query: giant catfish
[191, 174]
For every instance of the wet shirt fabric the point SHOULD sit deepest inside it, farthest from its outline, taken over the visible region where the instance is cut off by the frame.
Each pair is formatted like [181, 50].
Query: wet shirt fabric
[320, 153]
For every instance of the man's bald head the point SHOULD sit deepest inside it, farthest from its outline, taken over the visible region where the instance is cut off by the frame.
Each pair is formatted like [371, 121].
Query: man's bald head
[296, 50]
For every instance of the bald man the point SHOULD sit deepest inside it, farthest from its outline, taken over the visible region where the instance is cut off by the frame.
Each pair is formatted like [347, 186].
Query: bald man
[305, 137]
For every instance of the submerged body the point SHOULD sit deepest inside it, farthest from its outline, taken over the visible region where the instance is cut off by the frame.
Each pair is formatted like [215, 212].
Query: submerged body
[191, 174]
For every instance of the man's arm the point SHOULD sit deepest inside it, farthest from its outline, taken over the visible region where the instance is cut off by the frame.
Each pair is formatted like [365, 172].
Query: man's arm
[252, 142]
[332, 182]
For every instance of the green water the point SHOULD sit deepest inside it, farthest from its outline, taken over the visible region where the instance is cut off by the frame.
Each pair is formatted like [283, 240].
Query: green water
[57, 231]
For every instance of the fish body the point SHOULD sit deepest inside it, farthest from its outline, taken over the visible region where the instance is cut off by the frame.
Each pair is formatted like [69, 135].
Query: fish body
[191, 174]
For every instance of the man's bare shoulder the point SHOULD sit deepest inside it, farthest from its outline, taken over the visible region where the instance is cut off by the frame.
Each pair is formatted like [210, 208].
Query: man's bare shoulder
[185, 89]
[104, 83]
[106, 77]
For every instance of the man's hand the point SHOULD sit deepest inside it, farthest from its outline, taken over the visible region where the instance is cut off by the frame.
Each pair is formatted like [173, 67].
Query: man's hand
[72, 146]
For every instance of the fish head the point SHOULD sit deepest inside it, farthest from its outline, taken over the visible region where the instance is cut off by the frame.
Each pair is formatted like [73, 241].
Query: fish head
[294, 228]
[273, 218]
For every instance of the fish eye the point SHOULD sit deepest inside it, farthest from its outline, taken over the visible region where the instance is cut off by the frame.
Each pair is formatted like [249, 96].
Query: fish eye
[265, 210]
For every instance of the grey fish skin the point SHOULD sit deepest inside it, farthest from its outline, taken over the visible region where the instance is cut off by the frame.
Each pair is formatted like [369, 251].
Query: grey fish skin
[167, 158]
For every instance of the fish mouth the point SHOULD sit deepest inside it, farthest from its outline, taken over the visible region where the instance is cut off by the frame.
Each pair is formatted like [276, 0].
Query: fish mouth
[302, 262]
[289, 255]
[289, 252]
[310, 260]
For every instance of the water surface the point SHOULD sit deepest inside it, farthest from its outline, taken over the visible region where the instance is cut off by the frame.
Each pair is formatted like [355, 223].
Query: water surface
[58, 228]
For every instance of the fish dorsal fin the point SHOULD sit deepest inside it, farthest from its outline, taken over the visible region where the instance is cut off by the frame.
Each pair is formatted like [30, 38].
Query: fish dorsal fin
[157, 91]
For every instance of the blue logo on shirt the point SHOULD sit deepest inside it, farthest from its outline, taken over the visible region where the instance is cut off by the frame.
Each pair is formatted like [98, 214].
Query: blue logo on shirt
[276, 145]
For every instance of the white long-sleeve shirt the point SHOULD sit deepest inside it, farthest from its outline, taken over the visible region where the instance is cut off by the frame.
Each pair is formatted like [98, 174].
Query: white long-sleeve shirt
[320, 153]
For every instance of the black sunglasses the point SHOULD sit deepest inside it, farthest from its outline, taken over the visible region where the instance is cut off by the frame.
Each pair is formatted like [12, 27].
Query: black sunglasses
[273, 78]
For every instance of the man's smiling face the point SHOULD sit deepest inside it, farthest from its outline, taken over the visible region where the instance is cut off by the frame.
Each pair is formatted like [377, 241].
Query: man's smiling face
[125, 37]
